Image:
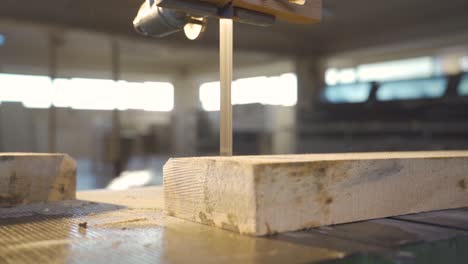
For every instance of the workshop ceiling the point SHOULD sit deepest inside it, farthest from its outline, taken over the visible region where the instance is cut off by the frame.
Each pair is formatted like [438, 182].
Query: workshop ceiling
[346, 24]
[88, 27]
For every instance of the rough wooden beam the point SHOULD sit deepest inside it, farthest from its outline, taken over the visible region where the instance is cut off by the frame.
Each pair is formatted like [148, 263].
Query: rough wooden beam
[30, 177]
[262, 195]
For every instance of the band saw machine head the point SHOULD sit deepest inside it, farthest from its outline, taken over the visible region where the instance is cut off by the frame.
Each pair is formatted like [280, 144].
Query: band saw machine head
[159, 18]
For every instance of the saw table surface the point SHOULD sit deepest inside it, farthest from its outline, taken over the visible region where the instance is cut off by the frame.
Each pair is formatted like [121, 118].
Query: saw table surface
[130, 227]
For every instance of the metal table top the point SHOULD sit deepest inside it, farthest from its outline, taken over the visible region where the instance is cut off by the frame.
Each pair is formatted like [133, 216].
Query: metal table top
[129, 227]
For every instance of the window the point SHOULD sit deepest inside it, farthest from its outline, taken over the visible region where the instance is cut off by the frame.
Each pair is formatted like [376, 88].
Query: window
[209, 95]
[2, 39]
[86, 94]
[32, 91]
[149, 96]
[348, 93]
[80, 93]
[343, 76]
[463, 86]
[276, 90]
[464, 63]
[412, 89]
[423, 67]
[397, 70]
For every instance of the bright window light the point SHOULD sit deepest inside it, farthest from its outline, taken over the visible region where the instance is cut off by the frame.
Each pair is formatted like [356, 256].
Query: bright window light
[251, 90]
[149, 96]
[412, 89]
[276, 90]
[95, 94]
[32, 91]
[346, 76]
[463, 86]
[2, 39]
[331, 76]
[464, 63]
[89, 94]
[423, 67]
[209, 95]
[286, 92]
[348, 93]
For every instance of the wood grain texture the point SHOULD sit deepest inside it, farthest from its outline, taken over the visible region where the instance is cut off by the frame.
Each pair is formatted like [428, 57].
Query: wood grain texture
[262, 195]
[30, 177]
[310, 12]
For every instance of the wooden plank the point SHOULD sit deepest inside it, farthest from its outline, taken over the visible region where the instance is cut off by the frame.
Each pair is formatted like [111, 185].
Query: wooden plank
[262, 195]
[310, 12]
[30, 177]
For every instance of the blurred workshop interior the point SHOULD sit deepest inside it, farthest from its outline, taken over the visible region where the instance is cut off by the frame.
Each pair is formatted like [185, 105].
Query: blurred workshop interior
[372, 76]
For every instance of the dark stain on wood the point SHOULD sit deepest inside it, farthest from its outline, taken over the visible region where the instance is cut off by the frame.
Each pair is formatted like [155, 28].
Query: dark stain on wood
[62, 188]
[170, 213]
[380, 170]
[208, 202]
[462, 184]
[258, 174]
[324, 200]
[204, 220]
[11, 199]
[318, 186]
[232, 219]
[310, 224]
[269, 230]
[304, 169]
[12, 183]
[299, 200]
[7, 158]
[230, 227]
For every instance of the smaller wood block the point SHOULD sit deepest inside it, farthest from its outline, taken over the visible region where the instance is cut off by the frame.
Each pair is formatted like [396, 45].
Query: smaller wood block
[31, 177]
[262, 195]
